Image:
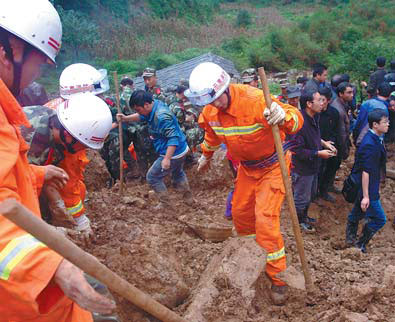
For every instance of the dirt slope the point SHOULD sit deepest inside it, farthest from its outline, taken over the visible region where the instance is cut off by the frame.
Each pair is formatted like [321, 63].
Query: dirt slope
[164, 257]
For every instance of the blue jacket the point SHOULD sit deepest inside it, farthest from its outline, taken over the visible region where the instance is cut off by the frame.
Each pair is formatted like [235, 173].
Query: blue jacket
[163, 127]
[361, 126]
[370, 157]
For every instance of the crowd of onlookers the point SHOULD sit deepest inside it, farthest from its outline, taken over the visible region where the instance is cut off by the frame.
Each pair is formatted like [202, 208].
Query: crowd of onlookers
[333, 123]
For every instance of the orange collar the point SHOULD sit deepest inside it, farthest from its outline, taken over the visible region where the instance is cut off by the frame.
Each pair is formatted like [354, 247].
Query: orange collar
[11, 107]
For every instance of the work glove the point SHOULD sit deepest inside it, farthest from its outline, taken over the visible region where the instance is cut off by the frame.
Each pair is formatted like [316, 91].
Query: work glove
[69, 233]
[84, 229]
[60, 216]
[203, 163]
[275, 114]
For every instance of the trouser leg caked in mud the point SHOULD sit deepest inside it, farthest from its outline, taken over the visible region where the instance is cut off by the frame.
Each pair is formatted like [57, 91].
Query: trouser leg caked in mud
[257, 201]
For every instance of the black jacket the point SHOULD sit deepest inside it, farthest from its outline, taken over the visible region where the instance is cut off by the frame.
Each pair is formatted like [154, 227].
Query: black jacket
[377, 77]
[329, 125]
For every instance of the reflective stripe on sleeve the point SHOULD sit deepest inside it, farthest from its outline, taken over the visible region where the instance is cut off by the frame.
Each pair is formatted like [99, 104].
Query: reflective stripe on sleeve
[211, 148]
[276, 255]
[75, 209]
[237, 130]
[296, 122]
[249, 236]
[15, 252]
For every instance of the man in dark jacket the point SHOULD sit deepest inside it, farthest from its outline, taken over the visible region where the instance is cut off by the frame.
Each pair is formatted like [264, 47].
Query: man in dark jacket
[345, 95]
[377, 77]
[329, 126]
[369, 167]
[320, 73]
[306, 157]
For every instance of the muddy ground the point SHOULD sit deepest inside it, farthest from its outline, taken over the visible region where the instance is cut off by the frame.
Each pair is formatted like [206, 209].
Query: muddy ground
[159, 253]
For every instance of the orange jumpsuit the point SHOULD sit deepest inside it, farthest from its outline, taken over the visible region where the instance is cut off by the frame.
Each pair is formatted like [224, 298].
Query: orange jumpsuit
[259, 192]
[73, 193]
[27, 266]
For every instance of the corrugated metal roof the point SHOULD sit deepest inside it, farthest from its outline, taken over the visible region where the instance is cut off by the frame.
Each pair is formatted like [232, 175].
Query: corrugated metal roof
[171, 76]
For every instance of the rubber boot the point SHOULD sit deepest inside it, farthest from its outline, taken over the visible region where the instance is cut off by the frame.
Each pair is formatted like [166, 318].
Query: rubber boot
[351, 233]
[164, 201]
[309, 220]
[303, 221]
[279, 294]
[187, 194]
[367, 235]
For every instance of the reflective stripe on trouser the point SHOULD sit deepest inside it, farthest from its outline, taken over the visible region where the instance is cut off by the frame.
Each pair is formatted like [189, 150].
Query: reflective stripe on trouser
[15, 251]
[257, 202]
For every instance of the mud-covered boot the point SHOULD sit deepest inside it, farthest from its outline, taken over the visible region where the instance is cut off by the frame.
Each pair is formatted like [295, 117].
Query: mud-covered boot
[110, 182]
[279, 294]
[187, 194]
[366, 236]
[308, 219]
[351, 233]
[303, 221]
[164, 201]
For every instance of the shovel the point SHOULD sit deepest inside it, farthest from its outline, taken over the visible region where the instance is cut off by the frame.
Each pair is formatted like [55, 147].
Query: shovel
[38, 228]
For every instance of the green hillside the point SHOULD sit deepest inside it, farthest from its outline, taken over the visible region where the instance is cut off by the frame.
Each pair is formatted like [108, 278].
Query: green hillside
[127, 35]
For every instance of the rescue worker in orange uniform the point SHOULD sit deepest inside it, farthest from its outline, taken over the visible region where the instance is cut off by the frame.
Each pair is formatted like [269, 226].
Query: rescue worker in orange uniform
[74, 80]
[237, 116]
[84, 118]
[36, 284]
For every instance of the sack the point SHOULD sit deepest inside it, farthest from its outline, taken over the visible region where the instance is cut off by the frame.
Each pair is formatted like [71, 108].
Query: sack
[350, 189]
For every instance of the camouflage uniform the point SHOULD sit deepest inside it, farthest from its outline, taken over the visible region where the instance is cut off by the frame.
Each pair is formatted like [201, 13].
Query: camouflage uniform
[157, 93]
[193, 132]
[125, 98]
[40, 134]
[110, 150]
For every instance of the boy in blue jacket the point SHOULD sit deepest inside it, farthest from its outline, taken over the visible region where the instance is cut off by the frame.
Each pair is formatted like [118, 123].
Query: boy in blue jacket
[169, 141]
[368, 169]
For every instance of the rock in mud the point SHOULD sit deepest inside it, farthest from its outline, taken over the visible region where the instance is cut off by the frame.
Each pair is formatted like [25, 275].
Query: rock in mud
[235, 270]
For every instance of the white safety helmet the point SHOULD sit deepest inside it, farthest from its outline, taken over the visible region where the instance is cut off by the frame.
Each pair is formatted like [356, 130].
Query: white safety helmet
[35, 21]
[87, 118]
[207, 82]
[82, 78]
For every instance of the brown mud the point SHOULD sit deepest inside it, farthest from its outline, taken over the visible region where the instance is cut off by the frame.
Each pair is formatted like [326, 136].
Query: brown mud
[162, 255]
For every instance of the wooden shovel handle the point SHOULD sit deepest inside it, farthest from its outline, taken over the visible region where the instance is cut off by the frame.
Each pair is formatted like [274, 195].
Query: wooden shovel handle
[25, 219]
[287, 184]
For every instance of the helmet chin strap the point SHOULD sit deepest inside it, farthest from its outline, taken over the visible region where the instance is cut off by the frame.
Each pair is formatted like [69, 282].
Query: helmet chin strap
[227, 92]
[16, 84]
[69, 146]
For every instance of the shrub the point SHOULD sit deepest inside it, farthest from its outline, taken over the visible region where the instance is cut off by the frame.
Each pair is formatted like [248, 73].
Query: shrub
[243, 18]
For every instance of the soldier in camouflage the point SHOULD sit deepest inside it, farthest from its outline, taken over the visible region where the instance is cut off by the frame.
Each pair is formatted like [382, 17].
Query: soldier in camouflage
[41, 118]
[187, 116]
[283, 96]
[151, 84]
[136, 133]
[250, 77]
[126, 92]
[110, 151]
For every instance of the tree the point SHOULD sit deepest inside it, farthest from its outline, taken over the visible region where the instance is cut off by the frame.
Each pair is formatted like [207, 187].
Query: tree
[243, 18]
[78, 31]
